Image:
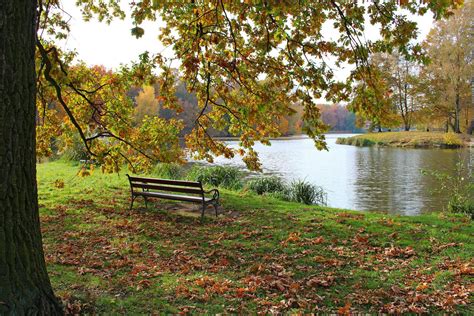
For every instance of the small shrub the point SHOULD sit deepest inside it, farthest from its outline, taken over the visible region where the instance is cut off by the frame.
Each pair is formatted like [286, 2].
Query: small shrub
[168, 171]
[302, 191]
[362, 142]
[462, 201]
[452, 140]
[75, 150]
[367, 142]
[458, 188]
[264, 185]
[461, 206]
[218, 176]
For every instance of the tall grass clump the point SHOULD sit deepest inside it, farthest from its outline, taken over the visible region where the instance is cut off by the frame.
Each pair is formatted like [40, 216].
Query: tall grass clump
[265, 185]
[168, 171]
[299, 191]
[302, 191]
[219, 176]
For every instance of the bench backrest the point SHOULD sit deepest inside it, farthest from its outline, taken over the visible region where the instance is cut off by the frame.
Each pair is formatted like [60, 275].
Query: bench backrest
[181, 186]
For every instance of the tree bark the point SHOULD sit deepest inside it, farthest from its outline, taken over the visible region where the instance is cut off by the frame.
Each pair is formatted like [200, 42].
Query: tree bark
[457, 115]
[25, 288]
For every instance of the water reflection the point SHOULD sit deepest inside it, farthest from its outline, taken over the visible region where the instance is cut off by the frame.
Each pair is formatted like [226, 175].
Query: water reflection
[383, 179]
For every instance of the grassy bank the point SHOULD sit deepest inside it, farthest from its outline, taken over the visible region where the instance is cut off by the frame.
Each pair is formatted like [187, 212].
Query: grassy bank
[261, 254]
[406, 139]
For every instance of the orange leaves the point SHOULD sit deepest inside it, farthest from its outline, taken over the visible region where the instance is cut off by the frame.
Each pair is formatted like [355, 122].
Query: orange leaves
[458, 267]
[293, 237]
[323, 281]
[466, 269]
[361, 239]
[213, 286]
[143, 284]
[316, 241]
[397, 252]
[436, 247]
[74, 306]
[388, 222]
[59, 183]
[345, 310]
[422, 286]
[204, 281]
[85, 172]
[328, 262]
[408, 301]
[139, 269]
[350, 215]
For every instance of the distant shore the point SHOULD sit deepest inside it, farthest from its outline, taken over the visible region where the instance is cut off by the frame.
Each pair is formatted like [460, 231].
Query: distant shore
[290, 137]
[407, 139]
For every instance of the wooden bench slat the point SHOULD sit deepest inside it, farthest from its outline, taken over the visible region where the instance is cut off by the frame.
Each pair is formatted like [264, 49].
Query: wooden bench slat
[166, 181]
[187, 198]
[167, 188]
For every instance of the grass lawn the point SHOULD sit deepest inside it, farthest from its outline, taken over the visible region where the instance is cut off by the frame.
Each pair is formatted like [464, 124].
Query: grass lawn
[261, 255]
[406, 139]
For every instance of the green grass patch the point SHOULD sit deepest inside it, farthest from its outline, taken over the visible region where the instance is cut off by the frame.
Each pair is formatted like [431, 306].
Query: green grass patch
[260, 255]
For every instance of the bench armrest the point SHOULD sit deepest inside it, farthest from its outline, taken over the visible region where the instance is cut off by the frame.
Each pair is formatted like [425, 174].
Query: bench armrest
[215, 192]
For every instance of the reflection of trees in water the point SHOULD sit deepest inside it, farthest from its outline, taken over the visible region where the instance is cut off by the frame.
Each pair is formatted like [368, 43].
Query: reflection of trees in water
[390, 179]
[382, 179]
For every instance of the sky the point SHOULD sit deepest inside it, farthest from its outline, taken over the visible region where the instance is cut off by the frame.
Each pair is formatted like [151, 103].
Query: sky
[98, 43]
[111, 45]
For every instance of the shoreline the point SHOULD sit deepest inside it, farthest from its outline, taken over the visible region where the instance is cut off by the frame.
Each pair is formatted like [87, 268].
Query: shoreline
[290, 137]
[409, 140]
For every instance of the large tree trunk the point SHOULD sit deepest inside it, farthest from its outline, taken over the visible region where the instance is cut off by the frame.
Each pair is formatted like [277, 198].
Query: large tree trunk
[25, 288]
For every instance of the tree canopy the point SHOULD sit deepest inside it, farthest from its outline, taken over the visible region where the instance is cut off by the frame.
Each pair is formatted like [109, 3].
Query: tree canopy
[447, 79]
[430, 92]
[246, 62]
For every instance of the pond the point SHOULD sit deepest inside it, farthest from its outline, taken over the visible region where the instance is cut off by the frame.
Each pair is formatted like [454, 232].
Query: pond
[364, 178]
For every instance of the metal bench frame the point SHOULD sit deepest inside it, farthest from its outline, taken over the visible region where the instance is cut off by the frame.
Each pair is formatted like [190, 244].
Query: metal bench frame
[156, 188]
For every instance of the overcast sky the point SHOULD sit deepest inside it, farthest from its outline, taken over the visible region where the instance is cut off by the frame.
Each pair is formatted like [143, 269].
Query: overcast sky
[112, 45]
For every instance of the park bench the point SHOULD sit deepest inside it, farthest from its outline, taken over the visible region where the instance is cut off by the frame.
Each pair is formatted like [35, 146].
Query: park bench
[178, 190]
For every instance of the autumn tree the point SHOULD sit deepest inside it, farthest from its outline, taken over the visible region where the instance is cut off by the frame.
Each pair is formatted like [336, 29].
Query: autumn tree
[338, 117]
[447, 78]
[146, 104]
[225, 49]
[401, 75]
[371, 99]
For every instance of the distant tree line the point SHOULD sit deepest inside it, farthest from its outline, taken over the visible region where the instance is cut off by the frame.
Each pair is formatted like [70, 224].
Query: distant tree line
[337, 117]
[437, 94]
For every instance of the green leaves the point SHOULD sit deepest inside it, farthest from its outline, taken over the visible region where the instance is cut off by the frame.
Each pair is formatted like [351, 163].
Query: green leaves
[138, 31]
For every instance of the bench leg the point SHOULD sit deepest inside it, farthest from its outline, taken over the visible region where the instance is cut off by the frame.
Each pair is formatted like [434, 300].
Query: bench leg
[215, 207]
[131, 204]
[202, 213]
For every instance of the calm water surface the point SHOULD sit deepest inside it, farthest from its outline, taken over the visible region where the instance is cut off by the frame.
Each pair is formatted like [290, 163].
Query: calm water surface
[364, 178]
